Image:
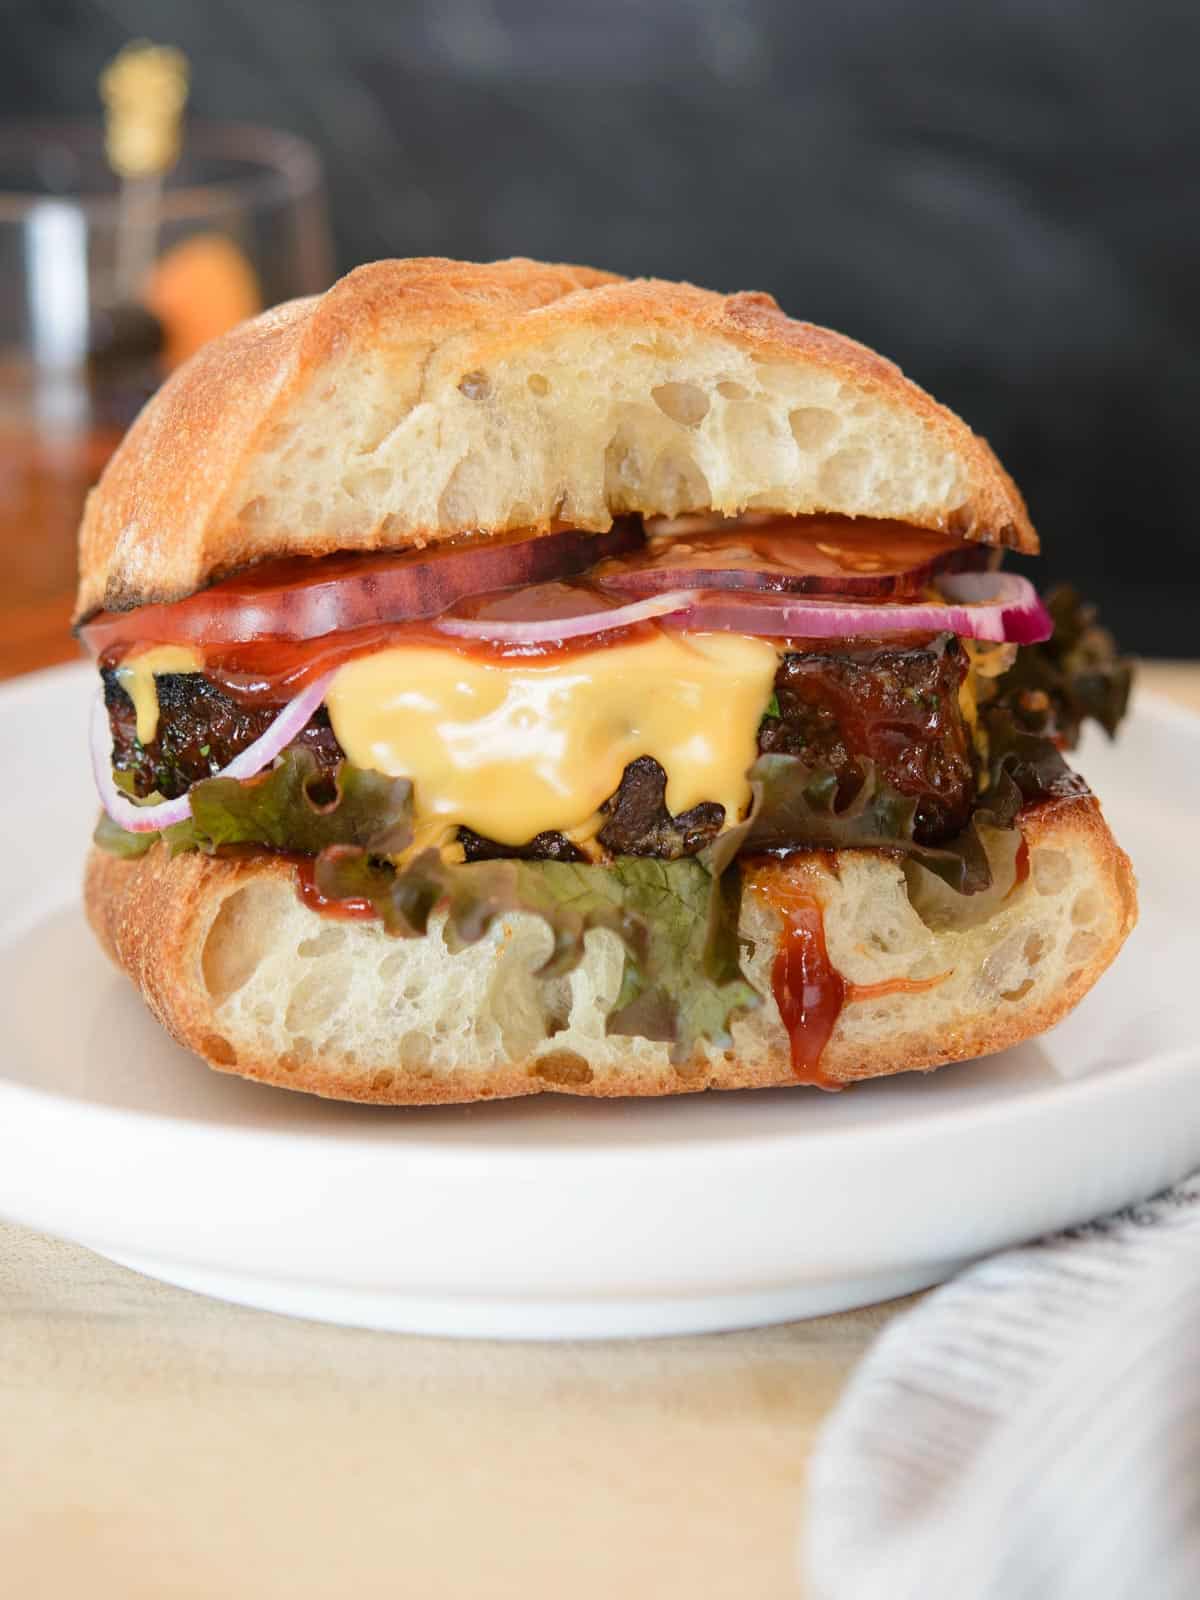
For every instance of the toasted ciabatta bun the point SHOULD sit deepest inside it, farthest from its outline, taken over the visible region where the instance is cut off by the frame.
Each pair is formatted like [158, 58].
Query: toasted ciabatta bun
[420, 401]
[238, 970]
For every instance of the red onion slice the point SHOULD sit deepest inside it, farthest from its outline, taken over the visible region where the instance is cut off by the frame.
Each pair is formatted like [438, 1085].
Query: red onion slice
[552, 630]
[1025, 619]
[998, 606]
[127, 813]
[290, 722]
[146, 818]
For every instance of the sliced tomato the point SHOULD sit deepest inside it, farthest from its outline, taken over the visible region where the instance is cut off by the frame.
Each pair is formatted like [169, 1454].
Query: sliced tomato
[304, 598]
[346, 598]
[845, 556]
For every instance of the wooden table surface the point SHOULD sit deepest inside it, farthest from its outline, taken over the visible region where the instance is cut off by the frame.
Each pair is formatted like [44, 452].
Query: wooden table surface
[153, 1443]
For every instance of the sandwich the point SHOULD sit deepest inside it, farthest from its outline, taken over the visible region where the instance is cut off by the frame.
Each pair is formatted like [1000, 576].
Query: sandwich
[514, 677]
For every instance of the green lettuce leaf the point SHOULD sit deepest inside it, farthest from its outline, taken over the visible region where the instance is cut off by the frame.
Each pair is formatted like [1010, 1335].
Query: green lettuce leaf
[1052, 688]
[1023, 768]
[296, 805]
[677, 920]
[793, 800]
[796, 801]
[119, 841]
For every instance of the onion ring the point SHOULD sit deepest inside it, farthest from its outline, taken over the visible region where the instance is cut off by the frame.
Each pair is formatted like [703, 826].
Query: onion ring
[997, 606]
[135, 818]
[551, 630]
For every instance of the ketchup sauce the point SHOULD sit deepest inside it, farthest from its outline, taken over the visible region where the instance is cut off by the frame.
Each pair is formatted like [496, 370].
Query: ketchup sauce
[272, 671]
[352, 909]
[1020, 866]
[808, 989]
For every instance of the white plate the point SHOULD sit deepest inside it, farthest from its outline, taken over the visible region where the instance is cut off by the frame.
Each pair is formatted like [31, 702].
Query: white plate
[567, 1218]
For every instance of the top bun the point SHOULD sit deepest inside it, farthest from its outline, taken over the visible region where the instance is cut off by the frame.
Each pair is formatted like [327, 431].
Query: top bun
[418, 401]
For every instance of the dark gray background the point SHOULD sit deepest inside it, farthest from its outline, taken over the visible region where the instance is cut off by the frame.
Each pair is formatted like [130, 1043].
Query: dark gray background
[1002, 197]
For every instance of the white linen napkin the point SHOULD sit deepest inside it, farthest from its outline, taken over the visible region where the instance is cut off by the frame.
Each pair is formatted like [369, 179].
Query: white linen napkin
[1030, 1431]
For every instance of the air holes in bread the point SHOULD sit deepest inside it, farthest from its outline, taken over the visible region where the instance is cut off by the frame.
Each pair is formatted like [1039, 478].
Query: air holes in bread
[561, 1066]
[464, 492]
[677, 483]
[622, 467]
[1001, 966]
[845, 475]
[236, 943]
[1086, 907]
[538, 385]
[1019, 992]
[1050, 870]
[685, 403]
[1083, 946]
[214, 1048]
[751, 439]
[556, 1003]
[415, 1048]
[315, 999]
[812, 426]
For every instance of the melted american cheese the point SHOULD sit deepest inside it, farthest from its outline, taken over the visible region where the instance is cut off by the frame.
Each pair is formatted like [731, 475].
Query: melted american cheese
[137, 673]
[515, 748]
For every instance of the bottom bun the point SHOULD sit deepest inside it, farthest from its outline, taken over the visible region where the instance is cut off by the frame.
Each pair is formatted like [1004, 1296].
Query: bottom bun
[240, 971]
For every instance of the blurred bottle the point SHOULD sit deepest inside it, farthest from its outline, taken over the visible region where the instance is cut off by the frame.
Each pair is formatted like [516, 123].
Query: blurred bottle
[115, 265]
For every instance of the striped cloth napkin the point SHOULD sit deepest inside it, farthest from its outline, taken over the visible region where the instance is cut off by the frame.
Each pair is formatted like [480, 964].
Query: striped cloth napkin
[1029, 1432]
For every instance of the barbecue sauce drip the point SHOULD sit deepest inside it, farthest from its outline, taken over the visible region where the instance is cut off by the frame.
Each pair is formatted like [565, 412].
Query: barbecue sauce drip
[809, 991]
[352, 909]
[878, 991]
[1020, 866]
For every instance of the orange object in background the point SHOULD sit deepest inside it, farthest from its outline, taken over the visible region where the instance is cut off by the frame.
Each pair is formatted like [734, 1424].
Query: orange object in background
[198, 290]
[82, 243]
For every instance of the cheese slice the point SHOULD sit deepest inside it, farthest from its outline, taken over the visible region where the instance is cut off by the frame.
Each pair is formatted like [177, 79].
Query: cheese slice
[137, 673]
[513, 748]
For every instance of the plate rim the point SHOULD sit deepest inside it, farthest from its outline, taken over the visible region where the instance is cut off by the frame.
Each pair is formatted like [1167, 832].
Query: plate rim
[988, 1117]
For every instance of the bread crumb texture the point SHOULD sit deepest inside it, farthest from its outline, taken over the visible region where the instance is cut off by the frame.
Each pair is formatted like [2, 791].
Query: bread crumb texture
[425, 400]
[241, 972]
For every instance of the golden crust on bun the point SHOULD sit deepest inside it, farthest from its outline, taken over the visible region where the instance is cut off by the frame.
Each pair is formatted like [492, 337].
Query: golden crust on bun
[427, 400]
